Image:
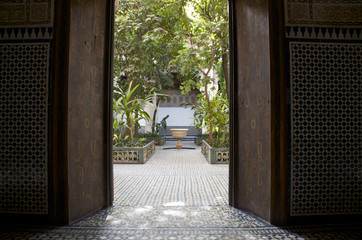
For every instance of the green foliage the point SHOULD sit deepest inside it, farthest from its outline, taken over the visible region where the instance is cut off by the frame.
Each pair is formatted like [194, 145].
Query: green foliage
[148, 134]
[144, 43]
[216, 111]
[205, 38]
[120, 141]
[221, 140]
[221, 76]
[162, 124]
[156, 40]
[128, 111]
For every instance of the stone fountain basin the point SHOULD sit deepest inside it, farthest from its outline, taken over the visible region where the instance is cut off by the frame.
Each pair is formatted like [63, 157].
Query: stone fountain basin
[179, 132]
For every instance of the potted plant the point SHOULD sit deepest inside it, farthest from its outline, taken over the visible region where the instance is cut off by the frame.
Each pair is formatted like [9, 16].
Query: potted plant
[214, 116]
[128, 111]
[217, 151]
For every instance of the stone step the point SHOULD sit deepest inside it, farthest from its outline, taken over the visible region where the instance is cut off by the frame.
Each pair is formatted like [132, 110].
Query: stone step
[187, 138]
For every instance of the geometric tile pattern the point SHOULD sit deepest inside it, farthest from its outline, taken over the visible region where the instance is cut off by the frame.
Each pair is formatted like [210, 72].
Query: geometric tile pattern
[326, 120]
[26, 33]
[125, 156]
[133, 155]
[23, 127]
[346, 33]
[215, 155]
[107, 232]
[177, 99]
[205, 149]
[222, 157]
[161, 211]
[26, 12]
[171, 216]
[171, 177]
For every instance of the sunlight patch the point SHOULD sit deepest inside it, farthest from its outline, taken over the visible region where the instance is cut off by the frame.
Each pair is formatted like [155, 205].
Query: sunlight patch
[174, 204]
[175, 213]
[143, 209]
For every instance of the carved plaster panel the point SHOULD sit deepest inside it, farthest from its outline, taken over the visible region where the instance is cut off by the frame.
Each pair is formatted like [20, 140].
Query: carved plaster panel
[19, 13]
[323, 12]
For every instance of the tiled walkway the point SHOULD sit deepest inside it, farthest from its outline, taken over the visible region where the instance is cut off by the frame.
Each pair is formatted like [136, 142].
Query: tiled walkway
[175, 195]
[172, 176]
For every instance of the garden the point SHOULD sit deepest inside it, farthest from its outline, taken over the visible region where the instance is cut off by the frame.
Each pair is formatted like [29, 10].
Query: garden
[158, 43]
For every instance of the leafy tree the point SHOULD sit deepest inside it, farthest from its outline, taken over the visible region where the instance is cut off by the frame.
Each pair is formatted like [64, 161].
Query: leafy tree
[155, 39]
[220, 120]
[205, 37]
[144, 43]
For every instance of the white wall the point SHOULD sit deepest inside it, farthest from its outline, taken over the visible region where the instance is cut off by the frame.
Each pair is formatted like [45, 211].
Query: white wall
[179, 116]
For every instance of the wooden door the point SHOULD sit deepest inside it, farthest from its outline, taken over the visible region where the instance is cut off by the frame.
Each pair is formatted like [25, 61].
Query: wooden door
[81, 174]
[257, 168]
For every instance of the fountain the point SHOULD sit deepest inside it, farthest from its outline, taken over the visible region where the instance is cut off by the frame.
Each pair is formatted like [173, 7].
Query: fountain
[179, 134]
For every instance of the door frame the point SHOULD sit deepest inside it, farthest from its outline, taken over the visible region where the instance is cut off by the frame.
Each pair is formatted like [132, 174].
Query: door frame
[109, 101]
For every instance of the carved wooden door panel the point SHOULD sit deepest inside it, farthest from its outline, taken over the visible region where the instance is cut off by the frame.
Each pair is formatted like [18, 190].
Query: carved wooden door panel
[256, 172]
[81, 169]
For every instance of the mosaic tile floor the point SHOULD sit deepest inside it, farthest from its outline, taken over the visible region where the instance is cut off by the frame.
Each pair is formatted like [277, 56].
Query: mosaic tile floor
[172, 176]
[175, 195]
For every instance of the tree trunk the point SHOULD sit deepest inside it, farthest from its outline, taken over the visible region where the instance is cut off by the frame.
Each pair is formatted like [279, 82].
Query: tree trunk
[210, 115]
[128, 131]
[224, 59]
[136, 126]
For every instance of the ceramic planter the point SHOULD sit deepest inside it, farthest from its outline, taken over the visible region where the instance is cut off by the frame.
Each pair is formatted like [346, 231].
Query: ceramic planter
[214, 155]
[133, 154]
